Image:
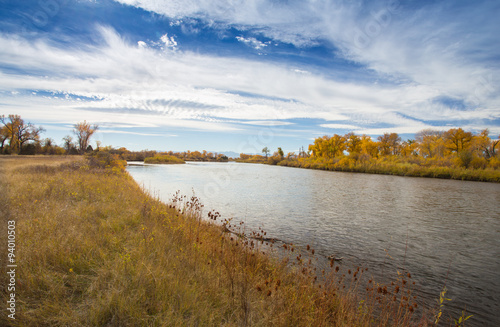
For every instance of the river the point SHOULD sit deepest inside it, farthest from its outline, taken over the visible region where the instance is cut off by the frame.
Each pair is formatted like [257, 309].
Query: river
[445, 232]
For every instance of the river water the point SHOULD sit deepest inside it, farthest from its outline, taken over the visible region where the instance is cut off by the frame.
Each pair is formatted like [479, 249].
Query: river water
[444, 232]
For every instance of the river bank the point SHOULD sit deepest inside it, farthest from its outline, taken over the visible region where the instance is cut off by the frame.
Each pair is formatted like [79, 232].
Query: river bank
[97, 250]
[387, 167]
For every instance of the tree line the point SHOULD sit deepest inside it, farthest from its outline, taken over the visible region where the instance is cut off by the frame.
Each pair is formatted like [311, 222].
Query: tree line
[453, 149]
[204, 155]
[455, 145]
[20, 137]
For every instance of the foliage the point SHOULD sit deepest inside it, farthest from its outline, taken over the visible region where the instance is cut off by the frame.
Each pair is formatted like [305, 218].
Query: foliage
[454, 154]
[164, 159]
[200, 156]
[251, 158]
[184, 156]
[18, 133]
[439, 312]
[441, 300]
[462, 319]
[83, 132]
[105, 160]
[266, 151]
[69, 146]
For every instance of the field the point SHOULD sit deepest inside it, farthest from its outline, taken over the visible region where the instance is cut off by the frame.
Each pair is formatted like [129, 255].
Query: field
[93, 249]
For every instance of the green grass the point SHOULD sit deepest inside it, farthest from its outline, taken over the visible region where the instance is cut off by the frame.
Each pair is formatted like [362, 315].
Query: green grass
[94, 249]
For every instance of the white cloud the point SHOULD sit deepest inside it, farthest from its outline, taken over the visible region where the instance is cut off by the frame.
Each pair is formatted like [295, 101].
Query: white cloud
[252, 42]
[401, 129]
[448, 48]
[266, 123]
[128, 83]
[300, 71]
[340, 126]
[169, 42]
[110, 131]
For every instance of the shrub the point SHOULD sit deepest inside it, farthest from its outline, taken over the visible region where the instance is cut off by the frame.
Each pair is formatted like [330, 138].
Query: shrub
[495, 163]
[104, 159]
[464, 159]
[274, 160]
[164, 159]
[478, 163]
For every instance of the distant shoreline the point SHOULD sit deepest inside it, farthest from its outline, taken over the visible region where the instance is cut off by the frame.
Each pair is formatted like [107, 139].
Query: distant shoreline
[406, 170]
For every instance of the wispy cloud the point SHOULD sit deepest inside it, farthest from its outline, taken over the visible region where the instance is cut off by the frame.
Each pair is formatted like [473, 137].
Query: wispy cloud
[340, 126]
[430, 45]
[110, 131]
[188, 86]
[252, 42]
[266, 123]
[430, 65]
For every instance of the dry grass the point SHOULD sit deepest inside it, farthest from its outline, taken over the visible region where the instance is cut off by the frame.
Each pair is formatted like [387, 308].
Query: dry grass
[95, 250]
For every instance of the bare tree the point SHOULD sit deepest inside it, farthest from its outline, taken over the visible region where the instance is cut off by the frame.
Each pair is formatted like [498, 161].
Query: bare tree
[68, 143]
[83, 132]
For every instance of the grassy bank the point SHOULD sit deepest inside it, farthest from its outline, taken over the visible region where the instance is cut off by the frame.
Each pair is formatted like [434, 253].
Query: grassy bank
[94, 250]
[164, 159]
[387, 167]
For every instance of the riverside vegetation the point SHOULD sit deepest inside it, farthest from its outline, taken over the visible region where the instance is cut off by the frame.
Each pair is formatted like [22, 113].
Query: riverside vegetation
[164, 159]
[454, 154]
[94, 249]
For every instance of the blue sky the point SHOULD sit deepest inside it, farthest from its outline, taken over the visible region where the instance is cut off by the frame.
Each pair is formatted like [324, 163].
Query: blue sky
[236, 75]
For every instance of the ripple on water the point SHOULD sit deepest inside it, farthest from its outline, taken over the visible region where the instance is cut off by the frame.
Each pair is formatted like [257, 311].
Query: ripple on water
[449, 230]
